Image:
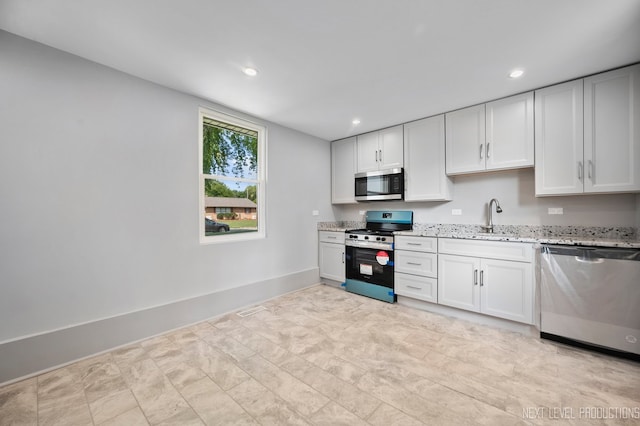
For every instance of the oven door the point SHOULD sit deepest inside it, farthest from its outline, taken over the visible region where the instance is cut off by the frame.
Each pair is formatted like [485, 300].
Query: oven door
[370, 265]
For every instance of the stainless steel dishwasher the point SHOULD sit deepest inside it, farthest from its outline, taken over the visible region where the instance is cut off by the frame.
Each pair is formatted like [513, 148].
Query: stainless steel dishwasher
[590, 296]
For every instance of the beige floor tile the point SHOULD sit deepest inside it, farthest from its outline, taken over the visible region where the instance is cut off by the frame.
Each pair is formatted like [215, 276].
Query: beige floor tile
[228, 345]
[264, 405]
[214, 406]
[386, 415]
[65, 415]
[133, 417]
[334, 414]
[303, 397]
[350, 397]
[112, 405]
[19, 403]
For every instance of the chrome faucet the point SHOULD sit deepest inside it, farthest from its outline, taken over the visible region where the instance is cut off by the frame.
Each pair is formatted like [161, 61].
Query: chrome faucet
[489, 226]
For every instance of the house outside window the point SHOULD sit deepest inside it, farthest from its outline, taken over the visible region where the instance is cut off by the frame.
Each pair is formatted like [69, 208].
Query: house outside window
[232, 178]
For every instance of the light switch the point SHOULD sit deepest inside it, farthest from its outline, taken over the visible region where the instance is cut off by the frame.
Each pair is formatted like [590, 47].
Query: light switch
[456, 212]
[555, 210]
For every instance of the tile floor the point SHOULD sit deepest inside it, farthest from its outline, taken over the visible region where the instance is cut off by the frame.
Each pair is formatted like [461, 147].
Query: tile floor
[325, 357]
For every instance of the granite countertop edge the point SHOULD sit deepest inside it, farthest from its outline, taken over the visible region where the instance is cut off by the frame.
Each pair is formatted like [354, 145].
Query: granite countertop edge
[622, 237]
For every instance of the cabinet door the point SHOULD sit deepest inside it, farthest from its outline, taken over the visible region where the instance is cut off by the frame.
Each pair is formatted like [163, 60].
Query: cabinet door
[559, 139]
[424, 161]
[368, 152]
[507, 290]
[458, 284]
[612, 131]
[343, 169]
[509, 125]
[332, 261]
[390, 144]
[465, 141]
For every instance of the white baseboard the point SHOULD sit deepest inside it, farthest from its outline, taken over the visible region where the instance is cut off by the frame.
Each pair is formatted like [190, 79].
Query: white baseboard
[33, 355]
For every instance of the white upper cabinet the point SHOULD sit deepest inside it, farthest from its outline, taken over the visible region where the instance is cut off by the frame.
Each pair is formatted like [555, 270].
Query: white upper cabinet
[424, 161]
[465, 140]
[587, 137]
[343, 169]
[612, 131]
[509, 127]
[380, 150]
[559, 139]
[493, 136]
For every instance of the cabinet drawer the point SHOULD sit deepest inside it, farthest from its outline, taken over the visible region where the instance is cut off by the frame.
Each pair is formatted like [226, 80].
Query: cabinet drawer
[331, 237]
[423, 288]
[417, 263]
[427, 244]
[506, 250]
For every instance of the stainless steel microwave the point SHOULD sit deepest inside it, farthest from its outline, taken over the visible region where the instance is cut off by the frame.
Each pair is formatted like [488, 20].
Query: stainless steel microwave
[380, 185]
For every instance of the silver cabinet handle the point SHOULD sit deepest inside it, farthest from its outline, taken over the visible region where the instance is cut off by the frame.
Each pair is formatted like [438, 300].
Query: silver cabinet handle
[342, 257]
[415, 288]
[380, 155]
[376, 155]
[488, 153]
[414, 244]
[413, 263]
[332, 237]
[481, 150]
[475, 277]
[590, 170]
[579, 170]
[481, 278]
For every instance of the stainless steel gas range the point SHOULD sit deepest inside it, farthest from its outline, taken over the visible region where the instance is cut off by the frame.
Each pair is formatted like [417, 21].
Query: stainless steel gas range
[369, 254]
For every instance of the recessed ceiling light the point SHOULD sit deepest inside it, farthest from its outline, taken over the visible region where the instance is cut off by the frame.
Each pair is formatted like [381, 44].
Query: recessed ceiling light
[251, 72]
[516, 73]
[355, 121]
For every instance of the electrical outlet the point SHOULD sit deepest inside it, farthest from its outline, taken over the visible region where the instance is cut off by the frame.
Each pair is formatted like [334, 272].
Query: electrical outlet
[363, 212]
[555, 210]
[456, 212]
[315, 213]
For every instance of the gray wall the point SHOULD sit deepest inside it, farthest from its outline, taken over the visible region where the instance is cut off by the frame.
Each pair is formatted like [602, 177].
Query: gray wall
[99, 190]
[515, 190]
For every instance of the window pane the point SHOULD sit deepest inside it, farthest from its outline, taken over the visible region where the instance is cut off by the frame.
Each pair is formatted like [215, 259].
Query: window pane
[230, 207]
[227, 152]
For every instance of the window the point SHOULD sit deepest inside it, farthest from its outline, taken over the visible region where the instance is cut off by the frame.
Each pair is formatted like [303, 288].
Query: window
[232, 183]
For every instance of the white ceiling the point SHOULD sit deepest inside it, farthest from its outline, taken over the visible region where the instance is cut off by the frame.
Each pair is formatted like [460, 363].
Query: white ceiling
[323, 63]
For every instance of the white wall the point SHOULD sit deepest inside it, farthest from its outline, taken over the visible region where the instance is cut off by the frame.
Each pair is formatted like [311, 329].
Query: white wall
[99, 193]
[516, 192]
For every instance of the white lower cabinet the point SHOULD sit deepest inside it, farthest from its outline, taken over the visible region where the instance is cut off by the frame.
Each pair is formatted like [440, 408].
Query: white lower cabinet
[331, 251]
[416, 268]
[487, 283]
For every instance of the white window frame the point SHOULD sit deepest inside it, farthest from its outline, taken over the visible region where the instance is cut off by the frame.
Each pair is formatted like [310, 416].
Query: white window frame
[260, 182]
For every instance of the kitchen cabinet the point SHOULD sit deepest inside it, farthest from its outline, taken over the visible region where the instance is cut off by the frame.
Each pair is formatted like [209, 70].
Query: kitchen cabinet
[331, 253]
[493, 136]
[588, 135]
[424, 161]
[416, 268]
[490, 277]
[380, 150]
[343, 169]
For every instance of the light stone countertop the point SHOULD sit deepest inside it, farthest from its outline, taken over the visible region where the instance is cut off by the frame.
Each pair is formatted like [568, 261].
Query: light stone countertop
[624, 237]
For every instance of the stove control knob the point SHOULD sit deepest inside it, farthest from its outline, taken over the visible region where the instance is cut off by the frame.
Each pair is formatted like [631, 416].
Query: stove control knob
[377, 238]
[384, 239]
[366, 237]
